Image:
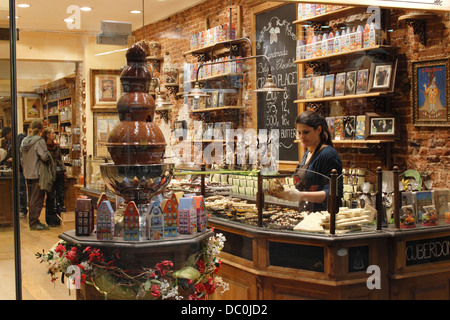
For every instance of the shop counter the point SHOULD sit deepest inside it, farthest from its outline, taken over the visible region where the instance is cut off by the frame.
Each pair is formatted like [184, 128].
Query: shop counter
[420, 263]
[6, 199]
[260, 263]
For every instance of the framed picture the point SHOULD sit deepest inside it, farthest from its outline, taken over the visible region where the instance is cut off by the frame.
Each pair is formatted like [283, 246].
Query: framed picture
[340, 84]
[180, 129]
[103, 124]
[301, 89]
[381, 125]
[105, 89]
[422, 199]
[330, 123]
[441, 200]
[362, 79]
[360, 130]
[349, 127]
[318, 86]
[214, 99]
[350, 83]
[430, 93]
[220, 99]
[32, 108]
[382, 76]
[309, 88]
[328, 91]
[338, 128]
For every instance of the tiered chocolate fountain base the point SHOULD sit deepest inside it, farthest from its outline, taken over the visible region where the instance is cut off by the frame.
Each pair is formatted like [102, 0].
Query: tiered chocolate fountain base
[136, 144]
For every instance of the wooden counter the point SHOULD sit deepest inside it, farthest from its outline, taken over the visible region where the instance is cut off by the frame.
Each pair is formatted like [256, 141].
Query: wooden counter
[261, 263]
[268, 264]
[7, 201]
[420, 264]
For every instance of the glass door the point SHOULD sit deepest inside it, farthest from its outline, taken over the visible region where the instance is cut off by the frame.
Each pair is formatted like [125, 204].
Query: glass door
[9, 235]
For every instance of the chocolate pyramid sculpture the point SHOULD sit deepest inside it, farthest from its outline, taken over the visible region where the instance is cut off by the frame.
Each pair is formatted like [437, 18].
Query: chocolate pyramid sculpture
[136, 139]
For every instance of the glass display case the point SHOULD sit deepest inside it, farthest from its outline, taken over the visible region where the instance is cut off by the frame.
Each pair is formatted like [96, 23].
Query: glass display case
[365, 201]
[93, 178]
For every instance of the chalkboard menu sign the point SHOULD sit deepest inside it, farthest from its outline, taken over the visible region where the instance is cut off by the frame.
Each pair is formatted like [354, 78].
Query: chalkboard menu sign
[276, 38]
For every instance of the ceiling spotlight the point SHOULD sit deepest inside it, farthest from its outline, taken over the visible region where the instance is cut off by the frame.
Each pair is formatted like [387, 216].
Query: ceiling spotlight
[86, 9]
[69, 20]
[135, 11]
[23, 5]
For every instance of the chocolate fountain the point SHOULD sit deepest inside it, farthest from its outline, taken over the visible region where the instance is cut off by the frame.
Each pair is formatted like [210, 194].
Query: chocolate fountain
[136, 144]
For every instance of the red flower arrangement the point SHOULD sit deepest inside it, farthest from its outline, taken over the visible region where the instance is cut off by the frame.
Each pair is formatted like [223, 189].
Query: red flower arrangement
[196, 281]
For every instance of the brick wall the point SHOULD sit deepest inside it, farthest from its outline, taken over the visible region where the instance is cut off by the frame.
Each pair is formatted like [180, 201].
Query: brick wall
[425, 149]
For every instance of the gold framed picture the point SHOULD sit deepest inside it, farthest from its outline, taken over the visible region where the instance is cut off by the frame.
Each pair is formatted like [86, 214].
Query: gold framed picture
[32, 108]
[105, 89]
[104, 122]
[430, 94]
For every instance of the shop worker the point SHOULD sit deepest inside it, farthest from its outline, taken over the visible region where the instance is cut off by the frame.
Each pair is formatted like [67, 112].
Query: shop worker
[34, 151]
[312, 175]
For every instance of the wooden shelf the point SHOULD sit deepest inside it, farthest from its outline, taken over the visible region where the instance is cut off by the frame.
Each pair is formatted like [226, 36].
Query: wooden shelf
[331, 15]
[358, 141]
[362, 141]
[208, 141]
[218, 76]
[208, 49]
[384, 47]
[352, 96]
[155, 58]
[217, 109]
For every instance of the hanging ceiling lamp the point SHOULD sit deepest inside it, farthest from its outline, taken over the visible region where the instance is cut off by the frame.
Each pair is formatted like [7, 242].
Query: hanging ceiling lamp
[161, 104]
[197, 93]
[269, 86]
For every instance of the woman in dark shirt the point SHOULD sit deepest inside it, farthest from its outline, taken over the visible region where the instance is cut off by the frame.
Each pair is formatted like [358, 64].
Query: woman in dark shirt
[54, 204]
[312, 175]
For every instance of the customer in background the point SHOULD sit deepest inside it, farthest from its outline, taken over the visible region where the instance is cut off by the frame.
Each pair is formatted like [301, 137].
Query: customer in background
[7, 161]
[6, 145]
[22, 182]
[34, 151]
[54, 204]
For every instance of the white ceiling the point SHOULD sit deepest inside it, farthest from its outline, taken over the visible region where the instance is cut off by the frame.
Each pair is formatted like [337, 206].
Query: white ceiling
[49, 15]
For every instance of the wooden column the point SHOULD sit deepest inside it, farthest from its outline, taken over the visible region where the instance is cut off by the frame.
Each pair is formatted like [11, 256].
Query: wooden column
[396, 200]
[379, 197]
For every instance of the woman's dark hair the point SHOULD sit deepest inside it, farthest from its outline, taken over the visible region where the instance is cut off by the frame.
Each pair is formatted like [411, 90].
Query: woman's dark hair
[314, 120]
[46, 132]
